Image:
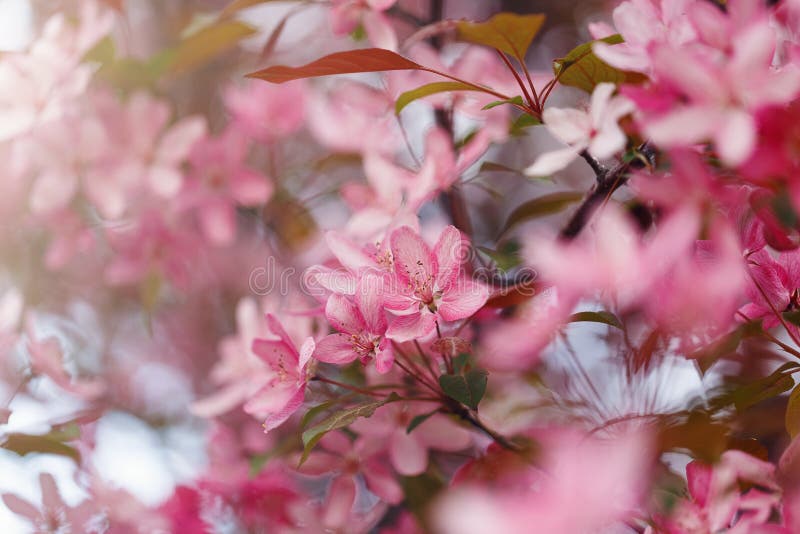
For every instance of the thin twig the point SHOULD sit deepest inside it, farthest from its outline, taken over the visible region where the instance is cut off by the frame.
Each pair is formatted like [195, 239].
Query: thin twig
[608, 181]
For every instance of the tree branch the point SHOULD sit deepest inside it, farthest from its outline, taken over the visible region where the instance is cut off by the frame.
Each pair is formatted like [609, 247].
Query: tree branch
[608, 181]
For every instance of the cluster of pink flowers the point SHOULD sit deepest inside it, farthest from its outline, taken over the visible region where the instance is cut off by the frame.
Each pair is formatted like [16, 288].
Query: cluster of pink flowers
[370, 304]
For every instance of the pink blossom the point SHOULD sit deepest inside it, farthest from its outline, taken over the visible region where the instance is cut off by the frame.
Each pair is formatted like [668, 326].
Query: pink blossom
[54, 515]
[284, 394]
[717, 502]
[722, 93]
[362, 327]
[267, 113]
[603, 480]
[239, 373]
[151, 247]
[347, 461]
[408, 451]
[220, 181]
[47, 359]
[596, 130]
[773, 287]
[643, 23]
[354, 118]
[149, 153]
[42, 84]
[430, 286]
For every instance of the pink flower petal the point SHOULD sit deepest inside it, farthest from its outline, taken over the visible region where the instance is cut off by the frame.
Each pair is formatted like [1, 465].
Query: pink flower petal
[553, 161]
[462, 299]
[343, 315]
[408, 456]
[369, 298]
[413, 262]
[336, 349]
[450, 252]
[414, 326]
[339, 503]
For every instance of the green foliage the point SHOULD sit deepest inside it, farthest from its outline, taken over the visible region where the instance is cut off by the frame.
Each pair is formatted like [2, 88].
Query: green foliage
[793, 413]
[581, 68]
[52, 443]
[468, 389]
[507, 32]
[207, 43]
[517, 100]
[429, 89]
[521, 123]
[339, 420]
[418, 420]
[539, 207]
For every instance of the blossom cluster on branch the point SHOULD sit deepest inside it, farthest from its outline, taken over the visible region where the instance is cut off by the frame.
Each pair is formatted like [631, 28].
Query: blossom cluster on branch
[487, 336]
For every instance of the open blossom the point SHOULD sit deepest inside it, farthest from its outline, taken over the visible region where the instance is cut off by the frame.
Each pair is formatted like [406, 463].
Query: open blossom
[284, 394]
[220, 181]
[718, 94]
[349, 461]
[773, 287]
[362, 327]
[47, 359]
[642, 23]
[718, 501]
[43, 84]
[267, 113]
[149, 153]
[602, 480]
[409, 451]
[430, 286]
[151, 247]
[54, 515]
[596, 130]
[239, 373]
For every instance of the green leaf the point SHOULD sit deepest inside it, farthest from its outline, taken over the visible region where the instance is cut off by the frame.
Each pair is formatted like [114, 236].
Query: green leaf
[521, 123]
[467, 389]
[348, 62]
[339, 420]
[207, 43]
[541, 206]
[793, 413]
[507, 258]
[105, 51]
[492, 166]
[516, 100]
[314, 411]
[584, 70]
[23, 444]
[429, 89]
[604, 317]
[418, 420]
[765, 388]
[508, 32]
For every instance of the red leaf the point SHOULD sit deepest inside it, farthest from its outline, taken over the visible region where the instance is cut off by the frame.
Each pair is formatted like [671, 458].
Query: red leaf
[349, 62]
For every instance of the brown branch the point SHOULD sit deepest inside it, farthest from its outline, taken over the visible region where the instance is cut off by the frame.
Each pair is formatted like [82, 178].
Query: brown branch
[608, 181]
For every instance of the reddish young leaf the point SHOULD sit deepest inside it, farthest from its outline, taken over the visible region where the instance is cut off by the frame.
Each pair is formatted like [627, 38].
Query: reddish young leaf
[349, 62]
